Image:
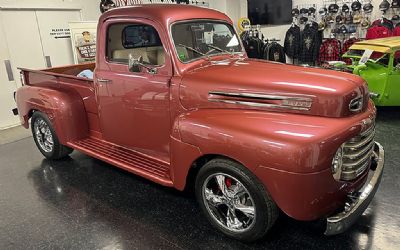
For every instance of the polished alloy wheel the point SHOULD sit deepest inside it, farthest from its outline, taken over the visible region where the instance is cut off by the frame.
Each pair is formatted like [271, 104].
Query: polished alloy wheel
[43, 135]
[229, 202]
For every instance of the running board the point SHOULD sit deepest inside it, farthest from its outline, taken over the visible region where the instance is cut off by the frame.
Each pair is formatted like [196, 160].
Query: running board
[127, 159]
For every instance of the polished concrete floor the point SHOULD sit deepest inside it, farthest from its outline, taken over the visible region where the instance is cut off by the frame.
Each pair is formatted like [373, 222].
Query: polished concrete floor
[83, 203]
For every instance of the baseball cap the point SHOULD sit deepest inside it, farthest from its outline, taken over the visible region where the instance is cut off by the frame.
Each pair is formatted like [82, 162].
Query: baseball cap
[396, 4]
[365, 23]
[333, 8]
[356, 6]
[323, 11]
[303, 20]
[295, 12]
[343, 29]
[339, 19]
[357, 18]
[311, 10]
[396, 18]
[348, 19]
[352, 29]
[303, 11]
[345, 8]
[330, 19]
[384, 6]
[368, 8]
[321, 26]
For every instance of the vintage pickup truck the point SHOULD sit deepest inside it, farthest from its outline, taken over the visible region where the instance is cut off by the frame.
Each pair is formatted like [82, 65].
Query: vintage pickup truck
[175, 100]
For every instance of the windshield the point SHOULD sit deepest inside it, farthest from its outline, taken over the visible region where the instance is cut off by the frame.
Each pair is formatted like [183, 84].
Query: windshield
[378, 57]
[202, 39]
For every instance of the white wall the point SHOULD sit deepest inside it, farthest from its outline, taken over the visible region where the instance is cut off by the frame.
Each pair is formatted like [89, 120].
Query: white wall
[90, 8]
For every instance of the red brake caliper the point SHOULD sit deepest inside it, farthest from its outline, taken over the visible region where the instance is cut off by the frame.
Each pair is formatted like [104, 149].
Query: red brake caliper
[228, 182]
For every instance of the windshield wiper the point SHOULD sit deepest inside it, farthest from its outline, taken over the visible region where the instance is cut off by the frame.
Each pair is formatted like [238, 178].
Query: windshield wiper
[219, 49]
[194, 50]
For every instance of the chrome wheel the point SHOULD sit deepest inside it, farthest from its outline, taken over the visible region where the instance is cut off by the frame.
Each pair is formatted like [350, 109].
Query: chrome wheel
[43, 135]
[229, 202]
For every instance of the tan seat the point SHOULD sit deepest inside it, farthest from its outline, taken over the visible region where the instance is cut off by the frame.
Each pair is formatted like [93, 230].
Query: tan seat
[150, 55]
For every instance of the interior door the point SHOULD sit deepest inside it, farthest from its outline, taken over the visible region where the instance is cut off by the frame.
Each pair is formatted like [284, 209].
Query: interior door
[55, 35]
[7, 85]
[24, 42]
[30, 39]
[134, 107]
[21, 42]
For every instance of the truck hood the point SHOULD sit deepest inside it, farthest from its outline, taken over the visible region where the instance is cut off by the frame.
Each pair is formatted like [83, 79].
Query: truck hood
[256, 84]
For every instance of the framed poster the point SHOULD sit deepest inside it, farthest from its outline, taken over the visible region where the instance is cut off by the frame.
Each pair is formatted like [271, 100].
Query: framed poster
[83, 39]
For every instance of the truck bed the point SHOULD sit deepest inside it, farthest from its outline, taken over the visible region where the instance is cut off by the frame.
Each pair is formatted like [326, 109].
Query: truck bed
[65, 78]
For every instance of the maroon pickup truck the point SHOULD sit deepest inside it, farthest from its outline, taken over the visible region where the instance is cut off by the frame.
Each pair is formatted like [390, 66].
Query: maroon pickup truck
[175, 100]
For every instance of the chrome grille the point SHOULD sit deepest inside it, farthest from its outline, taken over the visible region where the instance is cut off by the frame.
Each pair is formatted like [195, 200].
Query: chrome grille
[357, 153]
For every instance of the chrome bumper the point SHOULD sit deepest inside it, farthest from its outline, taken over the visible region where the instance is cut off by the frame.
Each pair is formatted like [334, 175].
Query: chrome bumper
[359, 202]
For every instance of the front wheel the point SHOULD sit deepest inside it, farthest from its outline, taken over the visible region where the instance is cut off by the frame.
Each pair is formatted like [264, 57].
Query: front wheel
[46, 139]
[234, 201]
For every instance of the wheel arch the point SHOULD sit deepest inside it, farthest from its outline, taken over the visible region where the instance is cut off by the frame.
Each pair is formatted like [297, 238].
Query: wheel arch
[65, 110]
[198, 164]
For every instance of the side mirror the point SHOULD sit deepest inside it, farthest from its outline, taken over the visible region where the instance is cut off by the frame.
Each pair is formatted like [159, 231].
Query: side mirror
[136, 64]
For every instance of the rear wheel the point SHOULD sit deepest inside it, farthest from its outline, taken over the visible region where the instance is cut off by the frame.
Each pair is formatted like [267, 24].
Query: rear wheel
[234, 201]
[46, 139]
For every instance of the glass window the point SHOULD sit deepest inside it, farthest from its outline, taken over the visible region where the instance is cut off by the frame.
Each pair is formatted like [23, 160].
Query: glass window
[199, 39]
[378, 57]
[138, 40]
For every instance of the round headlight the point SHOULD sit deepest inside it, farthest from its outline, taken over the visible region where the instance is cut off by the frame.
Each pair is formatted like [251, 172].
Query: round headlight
[337, 163]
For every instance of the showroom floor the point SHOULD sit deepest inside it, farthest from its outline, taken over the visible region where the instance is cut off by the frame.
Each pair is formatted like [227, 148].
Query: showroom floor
[83, 203]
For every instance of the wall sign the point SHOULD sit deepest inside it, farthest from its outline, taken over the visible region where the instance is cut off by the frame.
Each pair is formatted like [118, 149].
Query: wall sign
[60, 33]
[83, 38]
[244, 24]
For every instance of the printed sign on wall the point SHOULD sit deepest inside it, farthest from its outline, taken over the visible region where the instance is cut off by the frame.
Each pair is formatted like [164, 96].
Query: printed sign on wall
[83, 38]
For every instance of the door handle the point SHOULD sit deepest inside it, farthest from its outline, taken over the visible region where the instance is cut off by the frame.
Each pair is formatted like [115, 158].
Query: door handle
[100, 80]
[48, 61]
[9, 71]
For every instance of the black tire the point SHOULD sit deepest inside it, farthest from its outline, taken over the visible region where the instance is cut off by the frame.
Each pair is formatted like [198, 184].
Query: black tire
[57, 151]
[266, 211]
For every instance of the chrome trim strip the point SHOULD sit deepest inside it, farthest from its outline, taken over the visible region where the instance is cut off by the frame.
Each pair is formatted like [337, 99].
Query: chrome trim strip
[355, 146]
[254, 97]
[259, 105]
[340, 222]
[360, 161]
[260, 96]
[359, 153]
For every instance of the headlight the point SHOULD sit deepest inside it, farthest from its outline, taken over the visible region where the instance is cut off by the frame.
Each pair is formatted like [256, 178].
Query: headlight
[337, 163]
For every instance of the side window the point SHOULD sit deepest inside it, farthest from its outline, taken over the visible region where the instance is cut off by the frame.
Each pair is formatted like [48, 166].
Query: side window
[136, 40]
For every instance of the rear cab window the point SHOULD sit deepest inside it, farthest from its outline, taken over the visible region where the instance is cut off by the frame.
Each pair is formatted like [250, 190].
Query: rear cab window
[138, 40]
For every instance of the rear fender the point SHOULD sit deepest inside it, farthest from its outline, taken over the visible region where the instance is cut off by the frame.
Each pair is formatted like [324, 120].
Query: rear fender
[64, 108]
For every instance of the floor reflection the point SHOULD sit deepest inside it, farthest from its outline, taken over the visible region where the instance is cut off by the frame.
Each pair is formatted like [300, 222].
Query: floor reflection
[93, 192]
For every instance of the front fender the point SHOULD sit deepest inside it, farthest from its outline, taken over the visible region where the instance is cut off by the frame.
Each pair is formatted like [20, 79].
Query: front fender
[287, 152]
[64, 108]
[287, 142]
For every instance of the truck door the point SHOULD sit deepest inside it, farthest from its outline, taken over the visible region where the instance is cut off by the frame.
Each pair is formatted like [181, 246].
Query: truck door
[134, 107]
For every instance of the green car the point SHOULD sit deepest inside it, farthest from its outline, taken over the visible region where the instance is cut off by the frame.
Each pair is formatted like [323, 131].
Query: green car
[378, 62]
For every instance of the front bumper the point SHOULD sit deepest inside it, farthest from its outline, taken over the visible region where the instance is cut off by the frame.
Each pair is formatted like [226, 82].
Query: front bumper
[359, 202]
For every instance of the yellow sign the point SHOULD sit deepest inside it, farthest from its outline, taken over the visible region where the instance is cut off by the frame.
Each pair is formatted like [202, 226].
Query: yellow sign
[244, 24]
